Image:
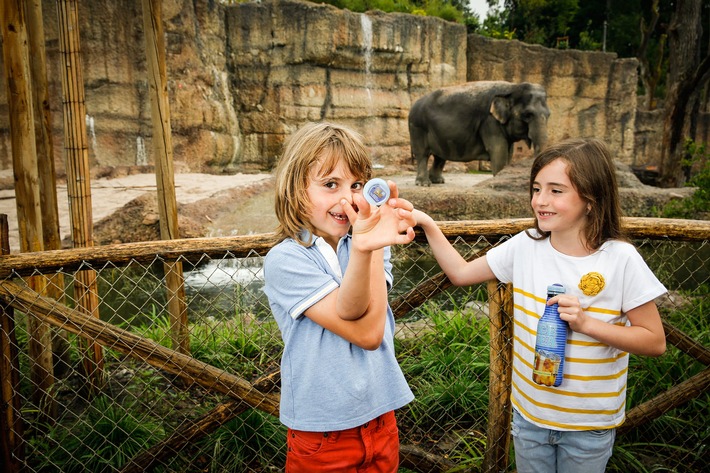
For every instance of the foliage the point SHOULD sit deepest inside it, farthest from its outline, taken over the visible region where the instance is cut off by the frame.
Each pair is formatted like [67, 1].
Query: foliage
[448, 368]
[104, 438]
[252, 441]
[685, 446]
[697, 206]
[231, 345]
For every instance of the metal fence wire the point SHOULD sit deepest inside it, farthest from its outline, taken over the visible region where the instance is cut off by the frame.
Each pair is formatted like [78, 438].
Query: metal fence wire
[140, 406]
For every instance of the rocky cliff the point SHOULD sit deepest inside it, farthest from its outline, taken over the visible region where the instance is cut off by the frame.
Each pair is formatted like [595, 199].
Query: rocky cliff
[243, 77]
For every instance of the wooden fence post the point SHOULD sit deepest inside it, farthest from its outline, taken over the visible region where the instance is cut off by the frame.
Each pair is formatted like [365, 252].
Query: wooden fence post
[78, 176]
[163, 146]
[500, 310]
[24, 163]
[45, 169]
[11, 426]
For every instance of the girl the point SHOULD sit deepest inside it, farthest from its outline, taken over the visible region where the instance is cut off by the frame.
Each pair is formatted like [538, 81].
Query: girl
[609, 305]
[327, 283]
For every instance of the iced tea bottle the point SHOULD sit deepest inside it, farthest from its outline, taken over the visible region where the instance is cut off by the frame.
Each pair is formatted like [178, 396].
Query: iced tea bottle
[549, 363]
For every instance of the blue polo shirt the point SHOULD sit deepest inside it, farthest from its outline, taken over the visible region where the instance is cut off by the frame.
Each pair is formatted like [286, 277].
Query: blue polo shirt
[327, 383]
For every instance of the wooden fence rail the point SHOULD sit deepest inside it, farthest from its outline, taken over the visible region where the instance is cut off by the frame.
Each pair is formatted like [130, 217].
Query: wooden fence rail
[48, 310]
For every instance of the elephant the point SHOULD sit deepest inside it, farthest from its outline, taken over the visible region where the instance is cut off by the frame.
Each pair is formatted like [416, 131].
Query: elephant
[475, 121]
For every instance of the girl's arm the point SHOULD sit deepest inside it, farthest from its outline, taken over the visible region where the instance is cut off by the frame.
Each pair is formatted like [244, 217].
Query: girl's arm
[459, 271]
[645, 335]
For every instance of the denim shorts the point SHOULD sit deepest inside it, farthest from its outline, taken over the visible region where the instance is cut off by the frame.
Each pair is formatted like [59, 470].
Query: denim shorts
[541, 450]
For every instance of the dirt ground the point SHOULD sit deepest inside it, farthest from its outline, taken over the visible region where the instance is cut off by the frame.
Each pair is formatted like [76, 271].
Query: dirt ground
[124, 202]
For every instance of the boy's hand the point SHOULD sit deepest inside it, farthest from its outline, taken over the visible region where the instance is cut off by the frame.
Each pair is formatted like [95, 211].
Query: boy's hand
[376, 227]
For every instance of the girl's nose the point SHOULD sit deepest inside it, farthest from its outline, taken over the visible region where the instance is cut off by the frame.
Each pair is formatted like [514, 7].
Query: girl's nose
[540, 198]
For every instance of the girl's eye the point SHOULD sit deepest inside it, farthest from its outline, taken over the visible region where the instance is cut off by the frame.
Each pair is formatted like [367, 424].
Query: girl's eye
[357, 186]
[535, 190]
[556, 191]
[331, 184]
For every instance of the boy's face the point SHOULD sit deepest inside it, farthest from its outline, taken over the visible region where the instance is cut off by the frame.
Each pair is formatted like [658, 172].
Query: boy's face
[325, 193]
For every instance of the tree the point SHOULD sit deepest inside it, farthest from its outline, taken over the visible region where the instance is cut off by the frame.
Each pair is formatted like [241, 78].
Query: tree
[541, 21]
[649, 75]
[687, 75]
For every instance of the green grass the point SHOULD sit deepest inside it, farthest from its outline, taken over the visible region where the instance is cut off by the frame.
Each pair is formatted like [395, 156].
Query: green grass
[103, 438]
[446, 365]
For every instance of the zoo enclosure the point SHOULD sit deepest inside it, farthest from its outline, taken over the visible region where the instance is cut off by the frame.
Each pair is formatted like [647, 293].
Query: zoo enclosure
[234, 346]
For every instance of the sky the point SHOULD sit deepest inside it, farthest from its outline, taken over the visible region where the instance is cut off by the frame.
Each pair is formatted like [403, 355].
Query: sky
[480, 7]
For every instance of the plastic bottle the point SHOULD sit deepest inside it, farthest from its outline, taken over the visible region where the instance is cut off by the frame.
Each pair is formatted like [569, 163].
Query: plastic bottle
[548, 367]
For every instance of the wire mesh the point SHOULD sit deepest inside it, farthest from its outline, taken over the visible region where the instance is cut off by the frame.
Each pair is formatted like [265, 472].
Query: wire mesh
[146, 416]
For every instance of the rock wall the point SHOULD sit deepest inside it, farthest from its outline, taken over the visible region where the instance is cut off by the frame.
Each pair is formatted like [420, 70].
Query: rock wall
[311, 61]
[243, 77]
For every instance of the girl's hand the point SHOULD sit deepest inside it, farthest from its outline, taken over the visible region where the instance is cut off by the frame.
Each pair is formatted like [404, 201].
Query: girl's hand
[376, 227]
[571, 311]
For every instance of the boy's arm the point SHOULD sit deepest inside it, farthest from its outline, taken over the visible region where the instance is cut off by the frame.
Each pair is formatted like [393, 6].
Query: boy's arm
[363, 287]
[459, 271]
[367, 328]
[357, 310]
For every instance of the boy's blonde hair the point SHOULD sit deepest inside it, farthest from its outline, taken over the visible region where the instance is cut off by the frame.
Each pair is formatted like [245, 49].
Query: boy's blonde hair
[317, 147]
[592, 172]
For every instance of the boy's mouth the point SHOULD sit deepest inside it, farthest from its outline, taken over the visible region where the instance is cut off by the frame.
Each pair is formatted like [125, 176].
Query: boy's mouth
[339, 216]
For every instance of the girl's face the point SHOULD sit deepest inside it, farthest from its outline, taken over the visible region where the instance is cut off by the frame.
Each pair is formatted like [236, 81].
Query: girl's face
[557, 204]
[325, 193]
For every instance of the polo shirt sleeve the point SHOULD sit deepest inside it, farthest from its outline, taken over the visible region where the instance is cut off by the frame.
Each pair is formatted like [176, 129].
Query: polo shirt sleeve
[296, 278]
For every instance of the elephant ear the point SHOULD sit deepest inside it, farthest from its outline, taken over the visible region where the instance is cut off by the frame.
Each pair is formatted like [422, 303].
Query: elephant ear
[500, 108]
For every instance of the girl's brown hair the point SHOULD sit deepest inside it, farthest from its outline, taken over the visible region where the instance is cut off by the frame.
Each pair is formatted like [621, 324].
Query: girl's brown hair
[317, 147]
[593, 174]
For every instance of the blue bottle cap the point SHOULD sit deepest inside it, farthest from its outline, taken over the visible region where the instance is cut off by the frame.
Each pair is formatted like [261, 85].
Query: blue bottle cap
[556, 289]
[376, 191]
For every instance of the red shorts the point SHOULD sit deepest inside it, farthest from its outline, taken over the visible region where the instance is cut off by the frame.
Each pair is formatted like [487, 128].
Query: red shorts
[371, 448]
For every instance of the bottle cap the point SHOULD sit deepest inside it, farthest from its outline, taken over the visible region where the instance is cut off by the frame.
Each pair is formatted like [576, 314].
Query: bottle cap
[376, 191]
[556, 289]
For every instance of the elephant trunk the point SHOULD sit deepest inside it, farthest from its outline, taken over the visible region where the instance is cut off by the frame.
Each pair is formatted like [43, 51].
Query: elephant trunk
[537, 134]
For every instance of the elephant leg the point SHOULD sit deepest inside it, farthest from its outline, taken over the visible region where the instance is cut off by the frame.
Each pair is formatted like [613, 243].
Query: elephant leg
[422, 175]
[420, 154]
[437, 168]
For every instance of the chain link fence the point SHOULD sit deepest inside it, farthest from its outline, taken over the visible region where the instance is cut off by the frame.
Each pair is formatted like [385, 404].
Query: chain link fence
[137, 405]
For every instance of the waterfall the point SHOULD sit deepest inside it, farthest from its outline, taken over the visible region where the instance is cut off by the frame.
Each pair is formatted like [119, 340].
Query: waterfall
[366, 25]
[141, 156]
[92, 132]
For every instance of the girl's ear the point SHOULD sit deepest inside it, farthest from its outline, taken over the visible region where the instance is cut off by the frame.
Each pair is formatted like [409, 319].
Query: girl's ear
[589, 208]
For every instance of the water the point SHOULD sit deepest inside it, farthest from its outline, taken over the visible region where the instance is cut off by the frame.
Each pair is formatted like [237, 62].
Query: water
[224, 288]
[366, 26]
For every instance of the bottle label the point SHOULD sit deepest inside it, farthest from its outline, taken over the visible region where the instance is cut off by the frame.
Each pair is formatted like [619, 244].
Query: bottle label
[546, 367]
[547, 335]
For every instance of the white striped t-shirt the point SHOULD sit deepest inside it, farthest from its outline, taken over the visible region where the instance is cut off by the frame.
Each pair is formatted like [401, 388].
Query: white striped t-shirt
[593, 392]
